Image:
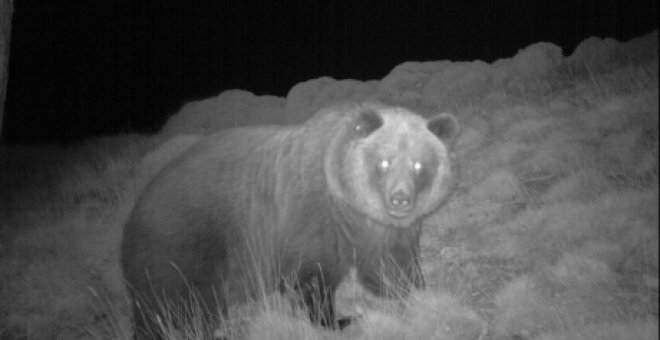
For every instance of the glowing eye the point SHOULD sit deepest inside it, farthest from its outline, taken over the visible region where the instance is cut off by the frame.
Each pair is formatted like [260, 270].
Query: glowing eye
[384, 164]
[417, 166]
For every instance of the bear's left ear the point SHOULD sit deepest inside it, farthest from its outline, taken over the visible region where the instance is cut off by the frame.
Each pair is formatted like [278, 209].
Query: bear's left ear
[445, 126]
[367, 122]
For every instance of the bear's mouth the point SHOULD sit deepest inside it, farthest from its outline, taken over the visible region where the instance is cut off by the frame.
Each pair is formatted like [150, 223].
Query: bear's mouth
[399, 213]
[399, 205]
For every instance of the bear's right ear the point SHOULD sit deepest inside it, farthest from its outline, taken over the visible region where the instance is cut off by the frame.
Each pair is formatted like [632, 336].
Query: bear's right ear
[444, 126]
[367, 122]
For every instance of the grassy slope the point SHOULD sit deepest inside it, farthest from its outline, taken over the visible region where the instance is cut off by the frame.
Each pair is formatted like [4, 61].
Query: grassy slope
[553, 233]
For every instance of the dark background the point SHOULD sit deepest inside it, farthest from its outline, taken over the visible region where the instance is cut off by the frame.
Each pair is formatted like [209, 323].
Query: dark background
[80, 68]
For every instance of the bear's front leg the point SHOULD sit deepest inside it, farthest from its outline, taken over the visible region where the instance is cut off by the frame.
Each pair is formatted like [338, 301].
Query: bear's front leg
[319, 301]
[317, 291]
[393, 273]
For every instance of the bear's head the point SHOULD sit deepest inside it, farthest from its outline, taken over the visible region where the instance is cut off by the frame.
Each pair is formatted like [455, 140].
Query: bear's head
[392, 165]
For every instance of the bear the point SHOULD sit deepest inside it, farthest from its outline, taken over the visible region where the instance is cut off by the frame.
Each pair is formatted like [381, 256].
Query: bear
[289, 208]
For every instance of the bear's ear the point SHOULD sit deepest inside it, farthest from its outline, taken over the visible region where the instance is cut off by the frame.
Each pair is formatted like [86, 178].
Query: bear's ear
[444, 126]
[367, 122]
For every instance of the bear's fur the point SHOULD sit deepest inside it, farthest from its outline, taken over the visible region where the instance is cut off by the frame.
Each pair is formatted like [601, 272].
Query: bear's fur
[249, 210]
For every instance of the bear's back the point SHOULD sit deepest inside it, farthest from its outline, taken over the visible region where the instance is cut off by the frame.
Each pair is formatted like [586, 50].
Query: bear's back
[221, 167]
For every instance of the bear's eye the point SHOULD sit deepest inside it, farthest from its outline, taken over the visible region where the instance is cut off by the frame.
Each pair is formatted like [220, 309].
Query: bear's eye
[384, 164]
[417, 166]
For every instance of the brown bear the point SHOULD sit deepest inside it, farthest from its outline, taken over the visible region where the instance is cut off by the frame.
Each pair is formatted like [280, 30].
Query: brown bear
[250, 210]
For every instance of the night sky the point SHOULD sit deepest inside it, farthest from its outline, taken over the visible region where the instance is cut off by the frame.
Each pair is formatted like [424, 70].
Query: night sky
[82, 68]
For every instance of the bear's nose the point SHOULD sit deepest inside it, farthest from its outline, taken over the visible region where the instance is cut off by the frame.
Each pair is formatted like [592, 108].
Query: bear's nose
[400, 200]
